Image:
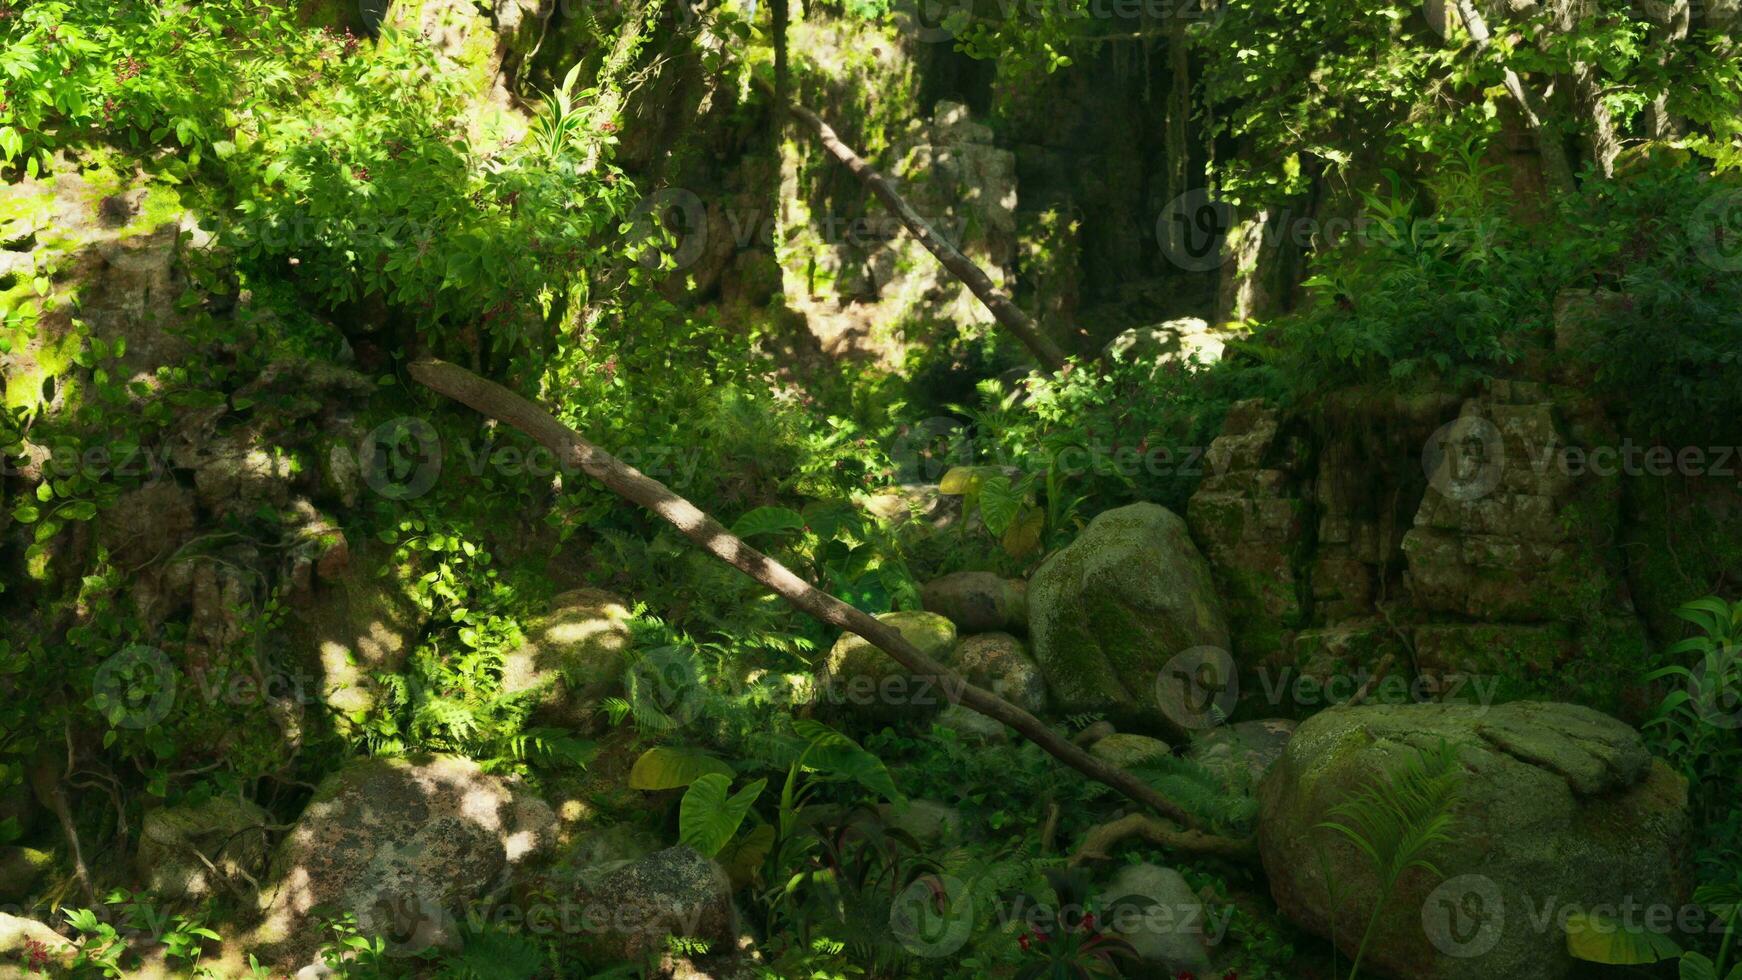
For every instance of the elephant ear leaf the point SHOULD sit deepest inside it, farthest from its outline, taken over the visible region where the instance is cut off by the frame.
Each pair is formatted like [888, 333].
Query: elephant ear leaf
[707, 818]
[669, 767]
[836, 754]
[1603, 939]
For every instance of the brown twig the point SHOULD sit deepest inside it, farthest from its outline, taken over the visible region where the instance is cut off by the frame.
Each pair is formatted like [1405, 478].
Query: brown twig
[1098, 844]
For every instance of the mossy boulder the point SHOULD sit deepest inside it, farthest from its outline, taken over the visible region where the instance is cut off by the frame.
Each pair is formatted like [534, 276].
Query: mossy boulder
[227, 831]
[1559, 809]
[20, 869]
[674, 892]
[1001, 663]
[1125, 750]
[403, 844]
[1107, 612]
[363, 622]
[978, 602]
[863, 684]
[574, 656]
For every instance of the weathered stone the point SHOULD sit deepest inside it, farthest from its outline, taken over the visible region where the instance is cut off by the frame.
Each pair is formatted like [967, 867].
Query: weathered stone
[1240, 754]
[675, 892]
[574, 655]
[23, 941]
[1108, 611]
[1158, 913]
[862, 682]
[1125, 750]
[227, 831]
[1558, 807]
[978, 602]
[402, 844]
[1187, 340]
[972, 726]
[1000, 663]
[1492, 649]
[362, 624]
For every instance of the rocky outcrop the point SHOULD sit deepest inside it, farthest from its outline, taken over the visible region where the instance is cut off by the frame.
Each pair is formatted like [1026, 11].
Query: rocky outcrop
[360, 623]
[402, 844]
[1558, 807]
[20, 870]
[1446, 532]
[573, 657]
[1108, 611]
[28, 948]
[1187, 340]
[1240, 754]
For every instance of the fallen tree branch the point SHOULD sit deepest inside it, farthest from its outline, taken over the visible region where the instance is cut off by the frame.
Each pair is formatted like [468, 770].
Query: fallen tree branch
[499, 403]
[1098, 844]
[1003, 308]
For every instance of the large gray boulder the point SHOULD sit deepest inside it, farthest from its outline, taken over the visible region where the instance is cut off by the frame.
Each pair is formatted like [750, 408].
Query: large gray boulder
[1158, 913]
[1560, 809]
[1108, 611]
[573, 657]
[675, 892]
[402, 844]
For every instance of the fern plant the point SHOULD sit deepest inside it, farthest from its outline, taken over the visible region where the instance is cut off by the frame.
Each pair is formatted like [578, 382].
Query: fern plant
[1396, 821]
[1700, 719]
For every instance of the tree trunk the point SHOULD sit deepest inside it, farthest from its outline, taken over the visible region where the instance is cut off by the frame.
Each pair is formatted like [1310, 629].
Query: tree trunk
[1003, 309]
[1556, 170]
[614, 73]
[1671, 22]
[499, 403]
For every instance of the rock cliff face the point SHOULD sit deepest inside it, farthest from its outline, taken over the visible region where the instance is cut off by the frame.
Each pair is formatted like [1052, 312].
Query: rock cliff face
[1463, 536]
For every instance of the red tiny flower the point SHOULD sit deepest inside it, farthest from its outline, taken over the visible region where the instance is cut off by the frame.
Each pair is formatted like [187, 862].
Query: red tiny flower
[1089, 922]
[1022, 941]
[361, 173]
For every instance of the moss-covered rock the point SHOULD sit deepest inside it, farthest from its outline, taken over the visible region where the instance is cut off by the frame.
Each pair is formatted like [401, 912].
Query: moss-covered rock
[20, 869]
[675, 892]
[978, 602]
[227, 831]
[359, 624]
[574, 656]
[1109, 610]
[1125, 750]
[1001, 663]
[862, 683]
[1559, 808]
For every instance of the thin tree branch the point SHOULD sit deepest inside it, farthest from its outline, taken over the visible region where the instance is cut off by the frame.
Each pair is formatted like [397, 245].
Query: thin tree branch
[1098, 844]
[499, 403]
[1003, 309]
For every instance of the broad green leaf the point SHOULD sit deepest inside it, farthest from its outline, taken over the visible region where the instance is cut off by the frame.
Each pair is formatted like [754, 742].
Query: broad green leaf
[743, 858]
[668, 767]
[999, 502]
[707, 818]
[961, 480]
[1601, 939]
[837, 755]
[1024, 533]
